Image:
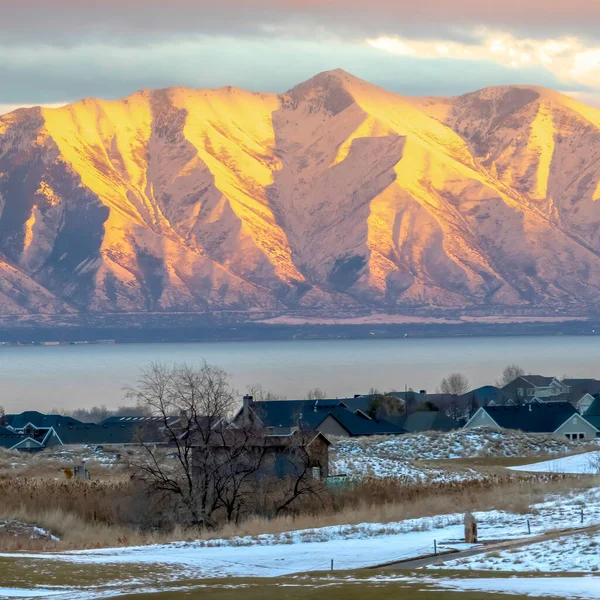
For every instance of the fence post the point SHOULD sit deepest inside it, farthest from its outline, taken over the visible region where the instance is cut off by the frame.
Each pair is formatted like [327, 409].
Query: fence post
[435, 547]
[582, 515]
[528, 527]
[332, 564]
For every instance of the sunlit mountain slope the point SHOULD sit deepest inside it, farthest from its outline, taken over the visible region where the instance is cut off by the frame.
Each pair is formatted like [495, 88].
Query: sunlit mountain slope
[335, 195]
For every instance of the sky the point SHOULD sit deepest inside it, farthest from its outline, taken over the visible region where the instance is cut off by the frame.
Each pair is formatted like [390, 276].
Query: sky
[57, 51]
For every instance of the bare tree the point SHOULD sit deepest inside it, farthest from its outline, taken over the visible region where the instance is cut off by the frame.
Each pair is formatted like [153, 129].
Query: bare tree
[189, 404]
[316, 394]
[455, 384]
[259, 394]
[510, 373]
[206, 469]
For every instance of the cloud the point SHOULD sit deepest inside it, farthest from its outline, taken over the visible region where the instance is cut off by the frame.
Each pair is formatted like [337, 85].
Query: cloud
[69, 22]
[567, 57]
[60, 50]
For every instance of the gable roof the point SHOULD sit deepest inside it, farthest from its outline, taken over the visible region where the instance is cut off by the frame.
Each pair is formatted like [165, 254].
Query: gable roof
[593, 409]
[11, 441]
[425, 420]
[532, 418]
[356, 425]
[39, 420]
[486, 394]
[537, 380]
[305, 414]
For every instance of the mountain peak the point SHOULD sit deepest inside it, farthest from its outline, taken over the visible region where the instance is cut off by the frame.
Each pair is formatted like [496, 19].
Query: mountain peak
[329, 90]
[196, 200]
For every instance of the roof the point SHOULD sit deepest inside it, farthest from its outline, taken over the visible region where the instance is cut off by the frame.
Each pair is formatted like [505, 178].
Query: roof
[259, 440]
[310, 414]
[306, 414]
[108, 433]
[39, 420]
[532, 418]
[356, 425]
[593, 409]
[426, 420]
[580, 387]
[537, 380]
[10, 440]
[136, 419]
[487, 394]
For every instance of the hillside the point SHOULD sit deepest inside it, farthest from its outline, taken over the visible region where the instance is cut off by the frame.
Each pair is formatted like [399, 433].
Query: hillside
[337, 195]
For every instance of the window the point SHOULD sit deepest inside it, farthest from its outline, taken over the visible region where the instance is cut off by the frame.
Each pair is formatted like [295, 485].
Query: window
[316, 472]
[575, 436]
[530, 392]
[520, 392]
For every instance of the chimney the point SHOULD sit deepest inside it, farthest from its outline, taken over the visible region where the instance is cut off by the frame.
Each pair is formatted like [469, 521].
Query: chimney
[246, 402]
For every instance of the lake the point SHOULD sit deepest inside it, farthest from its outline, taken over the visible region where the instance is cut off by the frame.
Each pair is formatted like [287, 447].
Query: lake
[43, 377]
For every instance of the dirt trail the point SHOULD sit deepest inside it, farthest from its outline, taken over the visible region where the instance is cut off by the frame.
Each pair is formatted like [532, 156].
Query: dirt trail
[417, 563]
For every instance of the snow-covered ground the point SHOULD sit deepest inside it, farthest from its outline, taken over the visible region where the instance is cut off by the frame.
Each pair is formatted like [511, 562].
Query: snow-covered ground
[554, 587]
[350, 546]
[18, 529]
[395, 456]
[587, 463]
[574, 554]
[378, 466]
[535, 587]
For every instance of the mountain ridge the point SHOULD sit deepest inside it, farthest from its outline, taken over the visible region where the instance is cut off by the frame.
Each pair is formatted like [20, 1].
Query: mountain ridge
[335, 196]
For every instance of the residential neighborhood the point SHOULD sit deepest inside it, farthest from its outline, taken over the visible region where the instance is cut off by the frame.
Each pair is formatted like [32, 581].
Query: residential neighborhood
[566, 407]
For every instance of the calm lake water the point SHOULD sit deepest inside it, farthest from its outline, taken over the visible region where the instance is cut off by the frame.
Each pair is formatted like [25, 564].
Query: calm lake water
[83, 376]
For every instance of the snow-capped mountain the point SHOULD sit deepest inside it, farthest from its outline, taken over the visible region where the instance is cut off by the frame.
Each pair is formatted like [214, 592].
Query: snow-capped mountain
[336, 195]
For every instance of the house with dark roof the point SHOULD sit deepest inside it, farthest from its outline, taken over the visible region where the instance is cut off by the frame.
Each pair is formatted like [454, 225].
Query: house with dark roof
[487, 395]
[558, 418]
[280, 456]
[44, 431]
[539, 388]
[329, 417]
[9, 440]
[425, 420]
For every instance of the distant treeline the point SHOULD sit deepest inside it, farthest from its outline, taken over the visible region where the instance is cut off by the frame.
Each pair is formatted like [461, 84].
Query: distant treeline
[95, 414]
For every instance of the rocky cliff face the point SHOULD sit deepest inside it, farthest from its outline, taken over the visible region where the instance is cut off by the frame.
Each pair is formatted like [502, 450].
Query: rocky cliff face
[336, 195]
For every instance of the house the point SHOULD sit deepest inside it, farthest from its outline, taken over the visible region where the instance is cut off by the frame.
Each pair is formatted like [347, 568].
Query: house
[527, 387]
[329, 417]
[487, 395]
[558, 418]
[39, 426]
[9, 440]
[538, 388]
[44, 431]
[425, 420]
[279, 456]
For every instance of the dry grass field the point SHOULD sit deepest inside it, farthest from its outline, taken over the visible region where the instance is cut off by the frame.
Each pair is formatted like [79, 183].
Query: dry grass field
[111, 510]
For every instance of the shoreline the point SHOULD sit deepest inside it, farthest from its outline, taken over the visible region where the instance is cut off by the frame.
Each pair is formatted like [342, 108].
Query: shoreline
[159, 332]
